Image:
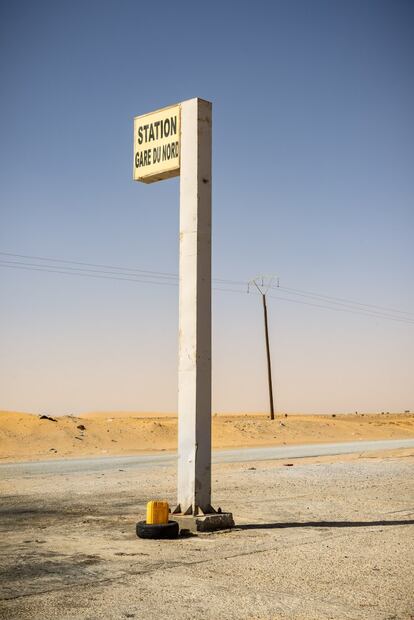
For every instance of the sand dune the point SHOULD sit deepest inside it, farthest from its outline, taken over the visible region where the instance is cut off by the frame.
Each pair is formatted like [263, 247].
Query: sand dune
[25, 436]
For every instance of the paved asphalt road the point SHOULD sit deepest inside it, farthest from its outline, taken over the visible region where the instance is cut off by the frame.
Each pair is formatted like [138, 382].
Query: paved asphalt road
[111, 463]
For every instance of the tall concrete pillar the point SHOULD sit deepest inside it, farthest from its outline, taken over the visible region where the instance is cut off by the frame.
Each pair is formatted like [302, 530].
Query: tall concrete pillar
[194, 383]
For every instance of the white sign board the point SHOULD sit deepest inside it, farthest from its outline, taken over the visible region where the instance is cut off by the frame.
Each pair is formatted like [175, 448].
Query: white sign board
[157, 138]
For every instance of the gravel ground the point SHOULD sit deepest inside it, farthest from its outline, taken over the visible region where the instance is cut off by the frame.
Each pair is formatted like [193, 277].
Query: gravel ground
[314, 540]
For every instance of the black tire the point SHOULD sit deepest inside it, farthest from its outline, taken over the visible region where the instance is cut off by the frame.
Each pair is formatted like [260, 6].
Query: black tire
[168, 530]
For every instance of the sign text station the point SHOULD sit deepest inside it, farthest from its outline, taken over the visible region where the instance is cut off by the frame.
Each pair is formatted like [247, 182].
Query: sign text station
[157, 145]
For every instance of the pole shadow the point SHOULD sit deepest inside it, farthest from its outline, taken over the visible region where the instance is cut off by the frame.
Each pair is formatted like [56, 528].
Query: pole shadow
[275, 526]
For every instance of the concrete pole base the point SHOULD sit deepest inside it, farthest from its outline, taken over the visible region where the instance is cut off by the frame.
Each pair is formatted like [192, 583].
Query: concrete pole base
[205, 522]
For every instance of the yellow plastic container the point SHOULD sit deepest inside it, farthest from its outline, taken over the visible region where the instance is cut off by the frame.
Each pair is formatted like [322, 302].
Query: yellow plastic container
[157, 513]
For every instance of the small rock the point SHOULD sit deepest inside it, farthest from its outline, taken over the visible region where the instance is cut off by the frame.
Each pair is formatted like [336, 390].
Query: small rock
[288, 464]
[252, 468]
[47, 417]
[81, 427]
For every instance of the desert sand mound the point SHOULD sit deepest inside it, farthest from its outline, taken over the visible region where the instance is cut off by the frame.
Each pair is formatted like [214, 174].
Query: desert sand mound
[25, 436]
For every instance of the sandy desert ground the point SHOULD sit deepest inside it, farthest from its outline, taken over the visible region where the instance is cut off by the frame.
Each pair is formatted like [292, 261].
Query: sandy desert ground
[323, 539]
[25, 436]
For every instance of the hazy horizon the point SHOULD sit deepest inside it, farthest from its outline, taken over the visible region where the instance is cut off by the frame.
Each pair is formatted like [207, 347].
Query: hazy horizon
[174, 414]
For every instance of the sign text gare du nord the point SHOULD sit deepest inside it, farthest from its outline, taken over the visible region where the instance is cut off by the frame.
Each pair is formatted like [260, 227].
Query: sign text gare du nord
[157, 145]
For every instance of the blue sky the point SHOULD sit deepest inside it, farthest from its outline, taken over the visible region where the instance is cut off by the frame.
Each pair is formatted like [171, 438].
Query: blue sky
[312, 180]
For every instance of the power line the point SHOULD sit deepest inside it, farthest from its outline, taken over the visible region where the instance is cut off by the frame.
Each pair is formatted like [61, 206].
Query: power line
[111, 272]
[174, 276]
[302, 293]
[169, 275]
[86, 274]
[84, 264]
[65, 269]
[131, 270]
[346, 306]
[69, 271]
[360, 312]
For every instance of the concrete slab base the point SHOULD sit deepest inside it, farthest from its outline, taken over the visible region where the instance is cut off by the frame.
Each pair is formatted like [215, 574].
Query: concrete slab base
[205, 523]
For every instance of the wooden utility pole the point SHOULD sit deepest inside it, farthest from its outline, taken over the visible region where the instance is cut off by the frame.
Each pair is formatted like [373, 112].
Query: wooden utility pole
[269, 364]
[263, 283]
